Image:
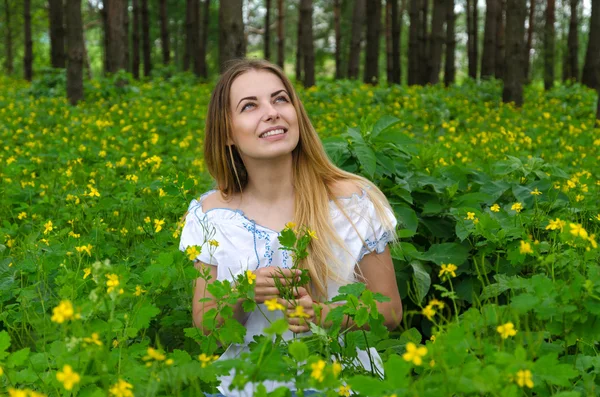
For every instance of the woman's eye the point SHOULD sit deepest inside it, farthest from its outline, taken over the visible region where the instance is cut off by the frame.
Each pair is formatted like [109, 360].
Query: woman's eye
[247, 105]
[281, 98]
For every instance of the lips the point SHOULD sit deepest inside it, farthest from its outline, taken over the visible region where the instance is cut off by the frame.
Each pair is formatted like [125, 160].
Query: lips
[273, 131]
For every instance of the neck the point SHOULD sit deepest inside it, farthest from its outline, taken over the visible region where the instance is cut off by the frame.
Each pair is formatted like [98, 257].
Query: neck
[270, 181]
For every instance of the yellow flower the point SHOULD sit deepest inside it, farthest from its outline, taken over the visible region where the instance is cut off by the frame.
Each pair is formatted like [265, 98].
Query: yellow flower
[312, 234]
[273, 305]
[344, 391]
[154, 354]
[139, 290]
[317, 369]
[1, 371]
[94, 339]
[290, 225]
[435, 302]
[336, 368]
[470, 216]
[524, 378]
[68, 377]
[93, 192]
[555, 225]
[213, 243]
[578, 230]
[86, 272]
[158, 224]
[48, 227]
[506, 330]
[428, 312]
[85, 248]
[518, 207]
[147, 219]
[525, 248]
[300, 313]
[251, 276]
[63, 312]
[536, 192]
[121, 389]
[22, 215]
[495, 208]
[205, 360]
[449, 269]
[414, 354]
[112, 283]
[192, 252]
[598, 217]
[17, 393]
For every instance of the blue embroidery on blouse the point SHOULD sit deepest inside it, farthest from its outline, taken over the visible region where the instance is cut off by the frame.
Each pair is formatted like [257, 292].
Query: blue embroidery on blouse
[261, 235]
[377, 245]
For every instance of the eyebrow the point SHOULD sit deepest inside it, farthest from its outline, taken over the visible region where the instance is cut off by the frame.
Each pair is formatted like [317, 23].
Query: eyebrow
[254, 98]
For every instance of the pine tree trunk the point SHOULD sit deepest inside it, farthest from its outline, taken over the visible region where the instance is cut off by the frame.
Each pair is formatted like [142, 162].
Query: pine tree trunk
[197, 38]
[389, 62]
[371, 74]
[438, 34]
[105, 26]
[475, 21]
[189, 34]
[472, 37]
[572, 64]
[267, 37]
[280, 34]
[116, 31]
[549, 47]
[358, 15]
[488, 58]
[126, 36]
[338, 39]
[232, 42]
[135, 64]
[591, 67]
[499, 56]
[423, 43]
[413, 43]
[146, 49]
[164, 32]
[529, 44]
[397, 41]
[299, 53]
[203, 41]
[515, 52]
[308, 49]
[450, 67]
[8, 60]
[28, 53]
[75, 51]
[57, 34]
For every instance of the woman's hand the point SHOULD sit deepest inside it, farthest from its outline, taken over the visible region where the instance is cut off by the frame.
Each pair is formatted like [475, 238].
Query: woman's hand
[265, 282]
[299, 312]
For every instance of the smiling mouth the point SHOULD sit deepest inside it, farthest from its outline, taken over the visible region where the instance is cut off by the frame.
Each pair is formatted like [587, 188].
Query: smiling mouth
[278, 131]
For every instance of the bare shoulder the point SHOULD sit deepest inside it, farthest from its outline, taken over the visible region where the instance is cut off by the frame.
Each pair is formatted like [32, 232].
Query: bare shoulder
[216, 200]
[345, 188]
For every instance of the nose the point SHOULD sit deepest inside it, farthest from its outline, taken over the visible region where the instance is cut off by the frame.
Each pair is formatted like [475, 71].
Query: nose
[270, 112]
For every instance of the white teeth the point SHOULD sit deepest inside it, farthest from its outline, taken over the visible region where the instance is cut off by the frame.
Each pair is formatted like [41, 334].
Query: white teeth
[273, 132]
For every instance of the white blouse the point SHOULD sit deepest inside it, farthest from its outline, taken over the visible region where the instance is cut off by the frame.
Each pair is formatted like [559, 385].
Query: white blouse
[246, 245]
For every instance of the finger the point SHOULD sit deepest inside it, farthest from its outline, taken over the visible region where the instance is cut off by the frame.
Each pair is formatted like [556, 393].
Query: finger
[297, 329]
[262, 291]
[263, 298]
[299, 321]
[300, 292]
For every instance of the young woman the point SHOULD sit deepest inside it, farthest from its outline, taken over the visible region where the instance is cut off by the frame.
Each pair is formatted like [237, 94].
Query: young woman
[270, 169]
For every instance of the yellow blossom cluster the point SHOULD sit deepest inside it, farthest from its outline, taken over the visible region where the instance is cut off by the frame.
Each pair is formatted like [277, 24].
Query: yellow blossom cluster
[414, 354]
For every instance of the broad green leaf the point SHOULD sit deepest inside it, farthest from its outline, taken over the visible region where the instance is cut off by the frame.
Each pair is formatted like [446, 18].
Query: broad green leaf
[407, 218]
[383, 124]
[142, 318]
[17, 358]
[277, 327]
[454, 253]
[298, 350]
[421, 280]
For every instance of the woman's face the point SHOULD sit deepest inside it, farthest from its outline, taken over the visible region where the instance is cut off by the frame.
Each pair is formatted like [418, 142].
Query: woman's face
[264, 121]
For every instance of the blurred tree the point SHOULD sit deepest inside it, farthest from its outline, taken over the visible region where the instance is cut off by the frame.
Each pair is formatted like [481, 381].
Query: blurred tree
[488, 57]
[591, 67]
[529, 44]
[75, 50]
[57, 33]
[267, 34]
[356, 33]
[549, 44]
[515, 51]
[146, 49]
[232, 43]
[135, 40]
[393, 39]
[423, 42]
[571, 67]
[499, 55]
[280, 33]
[116, 36]
[201, 68]
[413, 43]
[337, 22]
[28, 54]
[306, 42]
[164, 32]
[190, 28]
[8, 44]
[450, 67]
[472, 37]
[371, 71]
[436, 46]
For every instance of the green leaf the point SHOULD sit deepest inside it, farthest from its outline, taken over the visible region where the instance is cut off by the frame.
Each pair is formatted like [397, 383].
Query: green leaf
[549, 369]
[454, 253]
[17, 358]
[4, 344]
[407, 217]
[383, 124]
[287, 239]
[355, 289]
[524, 302]
[367, 385]
[298, 350]
[396, 371]
[411, 335]
[144, 315]
[362, 315]
[421, 279]
[277, 327]
[366, 158]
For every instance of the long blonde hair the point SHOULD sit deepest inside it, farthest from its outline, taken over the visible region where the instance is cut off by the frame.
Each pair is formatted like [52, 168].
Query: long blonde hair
[311, 165]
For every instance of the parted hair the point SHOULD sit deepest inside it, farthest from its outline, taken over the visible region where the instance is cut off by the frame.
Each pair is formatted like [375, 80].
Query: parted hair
[314, 174]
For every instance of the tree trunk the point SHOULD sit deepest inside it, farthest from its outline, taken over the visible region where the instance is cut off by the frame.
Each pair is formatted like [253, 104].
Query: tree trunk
[28, 54]
[598, 107]
[126, 35]
[499, 56]
[188, 55]
[572, 63]
[105, 26]
[8, 60]
[472, 37]
[232, 42]
[591, 67]
[488, 58]
[423, 43]
[146, 49]
[515, 51]
[75, 51]
[197, 38]
[413, 43]
[371, 74]
[437, 40]
[299, 53]
[529, 44]
[164, 32]
[358, 15]
[280, 34]
[116, 31]
[389, 63]
[549, 47]
[308, 49]
[267, 36]
[135, 64]
[450, 67]
[203, 41]
[392, 41]
[397, 41]
[338, 38]
[57, 34]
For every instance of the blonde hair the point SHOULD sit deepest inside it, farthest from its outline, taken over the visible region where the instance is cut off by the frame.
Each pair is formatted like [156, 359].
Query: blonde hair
[310, 164]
